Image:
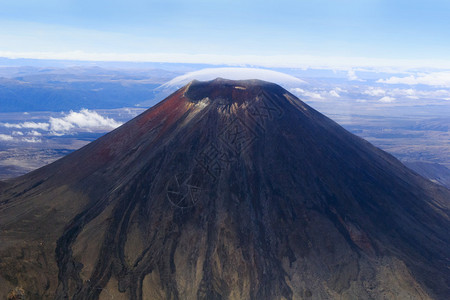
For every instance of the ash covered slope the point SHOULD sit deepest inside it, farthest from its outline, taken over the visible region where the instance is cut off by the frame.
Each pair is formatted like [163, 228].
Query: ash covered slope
[226, 190]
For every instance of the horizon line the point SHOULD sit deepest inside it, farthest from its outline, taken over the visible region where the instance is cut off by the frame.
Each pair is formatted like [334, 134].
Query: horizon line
[268, 61]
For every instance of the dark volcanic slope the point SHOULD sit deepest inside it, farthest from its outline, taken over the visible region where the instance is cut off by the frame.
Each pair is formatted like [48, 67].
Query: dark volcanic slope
[226, 190]
[433, 171]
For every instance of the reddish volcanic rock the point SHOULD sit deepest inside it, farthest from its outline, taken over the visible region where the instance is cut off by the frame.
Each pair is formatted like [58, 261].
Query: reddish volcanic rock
[225, 190]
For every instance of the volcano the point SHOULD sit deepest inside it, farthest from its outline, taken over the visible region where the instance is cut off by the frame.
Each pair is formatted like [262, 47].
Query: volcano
[225, 190]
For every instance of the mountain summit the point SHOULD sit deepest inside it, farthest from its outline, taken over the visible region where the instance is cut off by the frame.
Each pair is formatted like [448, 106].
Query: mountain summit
[225, 190]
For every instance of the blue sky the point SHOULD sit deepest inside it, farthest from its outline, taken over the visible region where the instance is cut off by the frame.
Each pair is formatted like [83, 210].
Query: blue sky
[371, 29]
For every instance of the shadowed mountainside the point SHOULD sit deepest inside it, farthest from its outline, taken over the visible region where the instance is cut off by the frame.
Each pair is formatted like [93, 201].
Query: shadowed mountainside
[433, 171]
[225, 190]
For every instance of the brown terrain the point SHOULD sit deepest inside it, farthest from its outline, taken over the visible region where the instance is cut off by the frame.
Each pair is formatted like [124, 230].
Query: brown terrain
[225, 190]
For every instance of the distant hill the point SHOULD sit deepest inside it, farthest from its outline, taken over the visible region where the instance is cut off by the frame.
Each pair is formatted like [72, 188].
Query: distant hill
[56, 89]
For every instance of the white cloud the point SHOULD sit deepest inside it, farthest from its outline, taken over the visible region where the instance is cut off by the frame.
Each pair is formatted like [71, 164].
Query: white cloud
[31, 140]
[414, 94]
[313, 95]
[29, 125]
[375, 92]
[387, 99]
[433, 79]
[60, 125]
[5, 137]
[308, 94]
[34, 133]
[297, 90]
[334, 93]
[85, 120]
[408, 93]
[351, 75]
[318, 94]
[235, 74]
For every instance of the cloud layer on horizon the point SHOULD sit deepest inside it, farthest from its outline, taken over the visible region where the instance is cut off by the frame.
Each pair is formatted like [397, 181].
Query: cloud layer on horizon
[349, 64]
[441, 79]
